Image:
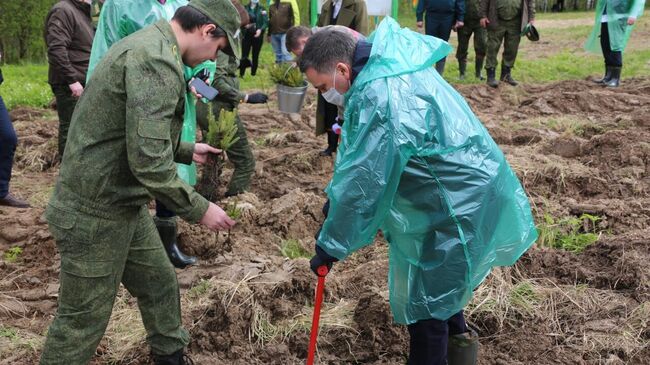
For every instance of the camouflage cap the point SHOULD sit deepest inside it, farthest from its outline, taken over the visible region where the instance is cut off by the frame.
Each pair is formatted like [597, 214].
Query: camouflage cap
[225, 15]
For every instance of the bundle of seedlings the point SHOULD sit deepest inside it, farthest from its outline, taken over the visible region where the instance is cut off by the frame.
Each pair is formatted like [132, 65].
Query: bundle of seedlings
[222, 134]
[287, 74]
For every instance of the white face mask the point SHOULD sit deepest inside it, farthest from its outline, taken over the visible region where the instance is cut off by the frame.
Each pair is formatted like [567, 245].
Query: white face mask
[332, 95]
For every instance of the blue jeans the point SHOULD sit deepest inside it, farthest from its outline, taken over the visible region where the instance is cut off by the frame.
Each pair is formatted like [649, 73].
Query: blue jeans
[8, 142]
[280, 48]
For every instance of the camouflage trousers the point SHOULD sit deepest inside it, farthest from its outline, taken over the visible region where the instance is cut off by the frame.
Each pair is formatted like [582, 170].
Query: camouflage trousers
[240, 153]
[472, 26]
[98, 251]
[508, 32]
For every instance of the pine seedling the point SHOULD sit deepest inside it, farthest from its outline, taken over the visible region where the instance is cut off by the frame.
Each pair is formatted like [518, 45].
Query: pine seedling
[287, 74]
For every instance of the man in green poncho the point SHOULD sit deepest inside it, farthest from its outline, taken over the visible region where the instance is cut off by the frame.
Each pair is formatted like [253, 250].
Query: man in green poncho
[123, 141]
[415, 162]
[615, 20]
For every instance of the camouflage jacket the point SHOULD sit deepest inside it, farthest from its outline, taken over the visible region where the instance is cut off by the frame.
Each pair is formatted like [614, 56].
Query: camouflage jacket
[227, 82]
[125, 133]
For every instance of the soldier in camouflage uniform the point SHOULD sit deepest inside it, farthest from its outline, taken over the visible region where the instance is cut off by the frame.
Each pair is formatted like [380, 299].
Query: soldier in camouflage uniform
[123, 141]
[240, 153]
[472, 25]
[504, 20]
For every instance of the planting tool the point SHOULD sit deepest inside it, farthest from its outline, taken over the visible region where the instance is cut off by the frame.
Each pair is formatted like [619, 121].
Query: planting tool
[320, 287]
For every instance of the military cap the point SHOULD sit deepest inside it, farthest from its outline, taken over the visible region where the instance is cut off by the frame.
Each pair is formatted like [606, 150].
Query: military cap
[531, 32]
[225, 15]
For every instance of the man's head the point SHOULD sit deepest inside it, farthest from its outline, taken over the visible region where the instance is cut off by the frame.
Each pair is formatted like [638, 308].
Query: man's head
[327, 60]
[296, 39]
[207, 26]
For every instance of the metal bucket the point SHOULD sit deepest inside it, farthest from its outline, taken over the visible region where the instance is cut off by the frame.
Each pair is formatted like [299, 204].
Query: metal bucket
[290, 99]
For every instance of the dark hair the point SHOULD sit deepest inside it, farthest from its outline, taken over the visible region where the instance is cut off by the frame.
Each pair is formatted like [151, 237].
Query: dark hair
[325, 49]
[190, 18]
[294, 34]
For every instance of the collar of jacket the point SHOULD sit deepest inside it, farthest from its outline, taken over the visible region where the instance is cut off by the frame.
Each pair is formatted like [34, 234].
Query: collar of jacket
[165, 29]
[83, 6]
[360, 58]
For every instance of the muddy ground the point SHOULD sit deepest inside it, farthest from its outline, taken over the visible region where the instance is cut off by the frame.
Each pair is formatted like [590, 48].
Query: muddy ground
[577, 149]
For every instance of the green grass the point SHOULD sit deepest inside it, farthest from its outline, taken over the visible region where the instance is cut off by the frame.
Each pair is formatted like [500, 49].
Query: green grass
[13, 254]
[292, 249]
[572, 234]
[25, 85]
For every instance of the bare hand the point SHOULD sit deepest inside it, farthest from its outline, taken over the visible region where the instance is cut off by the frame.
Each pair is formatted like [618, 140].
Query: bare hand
[258, 33]
[458, 25]
[484, 22]
[531, 22]
[631, 20]
[420, 25]
[201, 151]
[216, 219]
[76, 89]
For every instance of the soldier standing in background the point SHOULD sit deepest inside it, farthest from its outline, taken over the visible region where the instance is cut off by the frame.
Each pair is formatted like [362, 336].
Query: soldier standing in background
[69, 36]
[472, 26]
[504, 20]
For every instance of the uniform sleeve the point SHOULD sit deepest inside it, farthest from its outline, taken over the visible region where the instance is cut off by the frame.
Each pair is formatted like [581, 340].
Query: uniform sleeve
[362, 18]
[459, 10]
[153, 89]
[106, 35]
[227, 92]
[483, 8]
[365, 180]
[419, 11]
[531, 10]
[58, 38]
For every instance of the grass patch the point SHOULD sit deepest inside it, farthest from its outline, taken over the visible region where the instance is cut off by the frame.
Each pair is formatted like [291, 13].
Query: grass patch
[293, 249]
[26, 85]
[12, 255]
[572, 234]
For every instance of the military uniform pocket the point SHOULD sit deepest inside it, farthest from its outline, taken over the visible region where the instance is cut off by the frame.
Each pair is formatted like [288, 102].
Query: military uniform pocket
[74, 232]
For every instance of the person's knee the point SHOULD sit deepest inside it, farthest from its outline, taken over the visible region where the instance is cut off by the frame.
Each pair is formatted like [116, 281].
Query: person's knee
[8, 137]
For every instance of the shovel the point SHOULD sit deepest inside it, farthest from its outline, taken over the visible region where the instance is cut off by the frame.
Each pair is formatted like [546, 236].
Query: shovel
[320, 287]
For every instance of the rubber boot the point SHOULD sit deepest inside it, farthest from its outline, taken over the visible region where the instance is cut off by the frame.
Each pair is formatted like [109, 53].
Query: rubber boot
[440, 67]
[491, 78]
[167, 231]
[506, 76]
[615, 78]
[462, 67]
[177, 358]
[479, 66]
[462, 349]
[607, 77]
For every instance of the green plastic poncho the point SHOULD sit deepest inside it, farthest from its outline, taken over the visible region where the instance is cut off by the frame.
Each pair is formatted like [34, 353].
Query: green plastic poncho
[416, 162]
[618, 11]
[120, 18]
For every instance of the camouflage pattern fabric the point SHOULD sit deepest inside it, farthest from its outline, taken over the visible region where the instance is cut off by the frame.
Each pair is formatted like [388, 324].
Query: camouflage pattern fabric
[472, 26]
[508, 32]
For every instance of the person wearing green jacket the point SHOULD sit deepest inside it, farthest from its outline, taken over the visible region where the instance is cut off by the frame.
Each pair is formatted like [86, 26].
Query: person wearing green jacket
[471, 26]
[253, 36]
[615, 20]
[416, 163]
[123, 141]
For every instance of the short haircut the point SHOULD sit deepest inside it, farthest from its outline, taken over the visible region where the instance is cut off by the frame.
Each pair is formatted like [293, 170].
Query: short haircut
[190, 19]
[294, 34]
[326, 48]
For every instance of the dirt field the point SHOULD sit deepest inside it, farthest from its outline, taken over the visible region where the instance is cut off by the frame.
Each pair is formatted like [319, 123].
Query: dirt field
[577, 149]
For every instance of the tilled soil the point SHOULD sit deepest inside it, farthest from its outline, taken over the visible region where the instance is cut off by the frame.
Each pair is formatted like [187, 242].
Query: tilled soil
[576, 147]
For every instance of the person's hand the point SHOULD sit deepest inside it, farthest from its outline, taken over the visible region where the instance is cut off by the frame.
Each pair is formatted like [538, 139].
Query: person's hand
[257, 98]
[484, 22]
[76, 89]
[258, 33]
[201, 151]
[631, 20]
[458, 25]
[321, 258]
[419, 24]
[336, 128]
[216, 219]
[531, 22]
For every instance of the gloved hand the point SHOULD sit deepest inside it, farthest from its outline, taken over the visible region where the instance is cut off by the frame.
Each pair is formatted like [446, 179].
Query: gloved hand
[257, 98]
[321, 258]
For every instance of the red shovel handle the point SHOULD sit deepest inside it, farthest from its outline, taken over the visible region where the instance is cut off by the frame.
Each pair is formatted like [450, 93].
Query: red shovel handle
[320, 287]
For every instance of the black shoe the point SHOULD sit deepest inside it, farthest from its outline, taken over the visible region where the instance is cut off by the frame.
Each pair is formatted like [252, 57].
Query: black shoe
[177, 358]
[167, 231]
[506, 76]
[327, 152]
[606, 77]
[479, 66]
[462, 67]
[615, 79]
[11, 201]
[491, 78]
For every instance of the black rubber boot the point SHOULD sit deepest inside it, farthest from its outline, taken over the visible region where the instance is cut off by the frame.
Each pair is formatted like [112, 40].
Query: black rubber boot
[462, 349]
[615, 78]
[167, 231]
[479, 66]
[462, 68]
[440, 67]
[177, 358]
[506, 76]
[607, 77]
[491, 78]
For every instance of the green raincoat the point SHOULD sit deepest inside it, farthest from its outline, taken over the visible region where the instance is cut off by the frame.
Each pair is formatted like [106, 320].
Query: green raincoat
[120, 18]
[417, 164]
[618, 11]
